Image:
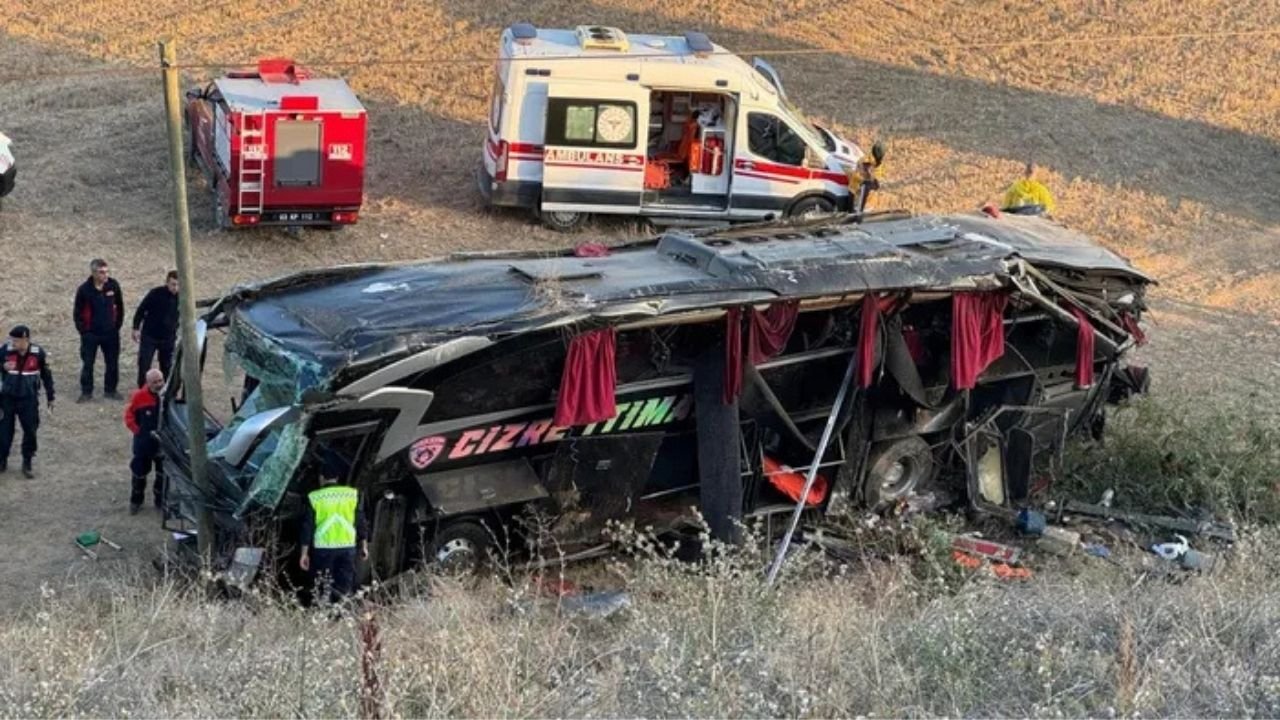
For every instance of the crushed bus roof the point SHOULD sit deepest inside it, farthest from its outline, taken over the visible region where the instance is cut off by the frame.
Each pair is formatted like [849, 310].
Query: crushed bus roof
[352, 314]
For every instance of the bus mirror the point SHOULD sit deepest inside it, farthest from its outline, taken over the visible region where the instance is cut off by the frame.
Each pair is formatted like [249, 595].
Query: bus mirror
[877, 152]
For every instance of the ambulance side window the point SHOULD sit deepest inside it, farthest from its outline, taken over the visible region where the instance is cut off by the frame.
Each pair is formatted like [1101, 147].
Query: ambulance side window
[495, 104]
[591, 123]
[770, 138]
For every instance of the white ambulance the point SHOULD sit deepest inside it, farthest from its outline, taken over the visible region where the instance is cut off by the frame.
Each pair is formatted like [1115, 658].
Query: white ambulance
[676, 129]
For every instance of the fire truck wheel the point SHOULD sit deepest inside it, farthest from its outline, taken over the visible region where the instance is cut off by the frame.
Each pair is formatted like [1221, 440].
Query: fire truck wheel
[564, 221]
[460, 548]
[220, 219]
[810, 206]
[894, 469]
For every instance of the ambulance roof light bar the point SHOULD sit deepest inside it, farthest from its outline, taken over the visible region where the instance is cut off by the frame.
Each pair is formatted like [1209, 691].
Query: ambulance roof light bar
[699, 43]
[524, 33]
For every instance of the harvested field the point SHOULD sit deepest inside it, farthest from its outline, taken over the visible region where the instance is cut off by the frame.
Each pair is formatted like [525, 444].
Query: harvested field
[1167, 151]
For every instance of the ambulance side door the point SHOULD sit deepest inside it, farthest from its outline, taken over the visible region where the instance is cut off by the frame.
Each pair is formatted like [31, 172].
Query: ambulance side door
[594, 148]
[768, 165]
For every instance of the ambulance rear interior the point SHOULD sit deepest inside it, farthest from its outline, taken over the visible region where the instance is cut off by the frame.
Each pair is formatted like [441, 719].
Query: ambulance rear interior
[651, 125]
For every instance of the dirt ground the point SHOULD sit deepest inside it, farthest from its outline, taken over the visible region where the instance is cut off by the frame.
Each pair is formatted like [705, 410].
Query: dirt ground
[1168, 151]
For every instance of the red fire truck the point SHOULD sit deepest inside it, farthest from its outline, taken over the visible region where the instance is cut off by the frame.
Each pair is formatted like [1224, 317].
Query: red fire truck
[279, 147]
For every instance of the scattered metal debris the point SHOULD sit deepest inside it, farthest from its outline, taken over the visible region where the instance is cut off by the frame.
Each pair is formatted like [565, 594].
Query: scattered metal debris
[1207, 528]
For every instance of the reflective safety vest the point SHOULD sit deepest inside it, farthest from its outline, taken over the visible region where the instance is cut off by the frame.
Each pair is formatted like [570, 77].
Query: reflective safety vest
[335, 512]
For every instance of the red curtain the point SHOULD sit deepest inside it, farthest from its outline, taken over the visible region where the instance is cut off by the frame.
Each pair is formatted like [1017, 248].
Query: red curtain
[977, 334]
[770, 330]
[1084, 349]
[732, 355]
[1130, 324]
[588, 382]
[868, 331]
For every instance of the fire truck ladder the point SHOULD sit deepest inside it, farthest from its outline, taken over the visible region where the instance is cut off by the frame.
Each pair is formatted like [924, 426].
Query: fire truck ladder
[253, 162]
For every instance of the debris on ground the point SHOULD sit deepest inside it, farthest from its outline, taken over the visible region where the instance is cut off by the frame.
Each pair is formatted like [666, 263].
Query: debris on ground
[1180, 551]
[1058, 540]
[1207, 528]
[1001, 570]
[986, 549]
[598, 605]
[87, 540]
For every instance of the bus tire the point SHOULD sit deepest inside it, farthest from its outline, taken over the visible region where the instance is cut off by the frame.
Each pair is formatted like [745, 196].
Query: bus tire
[460, 548]
[895, 468]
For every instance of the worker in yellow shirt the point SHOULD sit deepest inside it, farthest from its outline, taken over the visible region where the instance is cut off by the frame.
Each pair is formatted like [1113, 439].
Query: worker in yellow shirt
[865, 178]
[1029, 193]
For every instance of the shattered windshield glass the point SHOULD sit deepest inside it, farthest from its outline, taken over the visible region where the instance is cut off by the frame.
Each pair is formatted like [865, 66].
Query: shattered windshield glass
[273, 378]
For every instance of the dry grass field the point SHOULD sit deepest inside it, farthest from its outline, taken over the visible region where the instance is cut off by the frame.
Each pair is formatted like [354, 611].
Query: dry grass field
[1167, 151]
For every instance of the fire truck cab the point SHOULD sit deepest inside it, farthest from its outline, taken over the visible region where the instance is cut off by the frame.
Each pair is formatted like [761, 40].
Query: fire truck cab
[675, 128]
[279, 147]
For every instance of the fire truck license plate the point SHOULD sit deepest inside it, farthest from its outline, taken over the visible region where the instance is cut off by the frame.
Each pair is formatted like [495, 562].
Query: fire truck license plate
[298, 216]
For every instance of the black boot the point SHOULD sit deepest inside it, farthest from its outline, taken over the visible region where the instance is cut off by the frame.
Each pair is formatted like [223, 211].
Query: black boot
[27, 472]
[4, 465]
[136, 493]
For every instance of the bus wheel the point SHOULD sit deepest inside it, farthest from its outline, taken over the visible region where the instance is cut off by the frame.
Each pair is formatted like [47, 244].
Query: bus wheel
[811, 206]
[894, 469]
[564, 221]
[461, 548]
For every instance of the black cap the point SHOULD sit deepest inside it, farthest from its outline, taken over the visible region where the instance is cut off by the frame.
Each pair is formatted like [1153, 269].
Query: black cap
[20, 331]
[332, 465]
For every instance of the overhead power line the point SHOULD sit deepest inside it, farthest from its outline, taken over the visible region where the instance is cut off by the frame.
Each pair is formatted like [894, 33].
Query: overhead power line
[448, 60]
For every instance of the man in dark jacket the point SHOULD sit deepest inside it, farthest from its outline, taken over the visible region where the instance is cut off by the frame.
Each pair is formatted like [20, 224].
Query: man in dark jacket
[25, 370]
[155, 326]
[142, 417]
[99, 315]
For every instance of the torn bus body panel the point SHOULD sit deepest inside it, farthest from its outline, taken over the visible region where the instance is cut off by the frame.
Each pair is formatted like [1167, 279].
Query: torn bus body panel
[438, 382]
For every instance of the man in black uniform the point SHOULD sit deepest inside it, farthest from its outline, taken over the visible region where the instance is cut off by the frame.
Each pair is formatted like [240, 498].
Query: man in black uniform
[155, 326]
[25, 369]
[99, 315]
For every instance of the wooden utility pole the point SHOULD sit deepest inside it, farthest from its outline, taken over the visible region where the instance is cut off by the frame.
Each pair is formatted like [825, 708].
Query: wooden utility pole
[187, 303]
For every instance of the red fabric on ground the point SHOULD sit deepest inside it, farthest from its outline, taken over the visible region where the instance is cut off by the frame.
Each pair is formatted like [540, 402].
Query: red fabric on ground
[589, 379]
[591, 249]
[770, 330]
[732, 355]
[1084, 349]
[977, 334]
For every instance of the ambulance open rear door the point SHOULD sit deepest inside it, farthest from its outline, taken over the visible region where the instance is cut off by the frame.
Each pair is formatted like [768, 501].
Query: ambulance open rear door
[594, 148]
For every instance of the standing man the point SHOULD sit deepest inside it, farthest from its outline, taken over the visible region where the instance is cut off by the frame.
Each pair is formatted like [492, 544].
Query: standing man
[142, 417]
[155, 326]
[1027, 195]
[99, 315]
[333, 525]
[26, 369]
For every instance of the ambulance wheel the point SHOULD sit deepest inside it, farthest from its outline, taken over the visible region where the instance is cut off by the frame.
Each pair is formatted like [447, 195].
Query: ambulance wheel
[564, 221]
[894, 469]
[811, 206]
[460, 548]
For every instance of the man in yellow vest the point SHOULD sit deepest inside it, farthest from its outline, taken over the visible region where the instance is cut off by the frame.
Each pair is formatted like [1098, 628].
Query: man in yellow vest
[1029, 193]
[332, 528]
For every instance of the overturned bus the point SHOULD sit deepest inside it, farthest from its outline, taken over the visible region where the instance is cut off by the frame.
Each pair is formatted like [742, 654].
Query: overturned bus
[524, 398]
